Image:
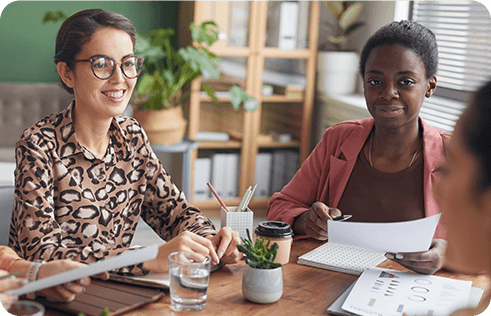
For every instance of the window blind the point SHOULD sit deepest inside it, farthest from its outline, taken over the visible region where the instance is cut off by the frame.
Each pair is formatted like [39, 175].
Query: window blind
[463, 32]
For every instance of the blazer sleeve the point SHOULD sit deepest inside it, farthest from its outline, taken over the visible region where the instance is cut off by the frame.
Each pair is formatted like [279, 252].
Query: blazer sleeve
[305, 187]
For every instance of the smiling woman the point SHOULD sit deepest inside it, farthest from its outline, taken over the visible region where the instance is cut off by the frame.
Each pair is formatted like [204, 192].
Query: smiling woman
[380, 169]
[87, 174]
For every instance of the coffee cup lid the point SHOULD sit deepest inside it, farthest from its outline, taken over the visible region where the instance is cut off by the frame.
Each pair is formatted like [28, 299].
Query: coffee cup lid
[273, 229]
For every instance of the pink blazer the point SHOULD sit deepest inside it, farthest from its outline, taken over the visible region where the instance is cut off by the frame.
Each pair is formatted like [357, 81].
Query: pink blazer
[325, 173]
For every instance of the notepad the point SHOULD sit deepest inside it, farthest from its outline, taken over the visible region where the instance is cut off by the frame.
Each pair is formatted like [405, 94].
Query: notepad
[342, 258]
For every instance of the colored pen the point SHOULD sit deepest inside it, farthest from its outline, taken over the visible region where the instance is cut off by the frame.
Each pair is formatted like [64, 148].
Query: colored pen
[342, 218]
[249, 198]
[10, 274]
[216, 195]
[244, 199]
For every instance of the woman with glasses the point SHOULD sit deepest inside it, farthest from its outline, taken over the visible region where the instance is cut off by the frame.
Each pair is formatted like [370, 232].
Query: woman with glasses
[86, 175]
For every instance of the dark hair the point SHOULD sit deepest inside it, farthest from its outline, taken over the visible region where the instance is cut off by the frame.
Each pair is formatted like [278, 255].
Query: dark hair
[409, 34]
[78, 29]
[477, 133]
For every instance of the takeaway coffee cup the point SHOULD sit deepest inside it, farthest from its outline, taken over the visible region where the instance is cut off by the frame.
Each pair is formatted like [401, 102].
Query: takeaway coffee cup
[280, 233]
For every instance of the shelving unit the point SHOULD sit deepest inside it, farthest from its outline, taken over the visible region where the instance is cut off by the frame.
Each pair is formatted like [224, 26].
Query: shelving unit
[277, 112]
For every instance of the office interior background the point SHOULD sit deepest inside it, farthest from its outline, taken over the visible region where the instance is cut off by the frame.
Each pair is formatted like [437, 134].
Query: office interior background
[463, 31]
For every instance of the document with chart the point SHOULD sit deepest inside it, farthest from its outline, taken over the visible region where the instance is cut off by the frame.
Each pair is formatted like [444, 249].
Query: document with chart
[391, 293]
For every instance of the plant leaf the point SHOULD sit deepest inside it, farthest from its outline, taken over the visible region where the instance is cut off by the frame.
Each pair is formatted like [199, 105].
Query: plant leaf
[349, 16]
[353, 27]
[336, 7]
[210, 92]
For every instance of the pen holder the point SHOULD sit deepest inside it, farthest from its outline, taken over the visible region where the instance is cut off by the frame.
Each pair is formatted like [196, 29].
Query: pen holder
[238, 221]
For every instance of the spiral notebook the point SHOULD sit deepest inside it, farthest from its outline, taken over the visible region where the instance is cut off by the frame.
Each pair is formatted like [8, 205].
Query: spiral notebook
[342, 258]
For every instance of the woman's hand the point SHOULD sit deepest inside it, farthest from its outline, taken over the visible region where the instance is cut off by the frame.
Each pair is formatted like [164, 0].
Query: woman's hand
[7, 284]
[427, 262]
[225, 242]
[65, 292]
[313, 222]
[185, 241]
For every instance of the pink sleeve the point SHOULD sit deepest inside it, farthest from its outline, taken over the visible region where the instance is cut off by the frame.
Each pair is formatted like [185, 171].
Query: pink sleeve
[304, 188]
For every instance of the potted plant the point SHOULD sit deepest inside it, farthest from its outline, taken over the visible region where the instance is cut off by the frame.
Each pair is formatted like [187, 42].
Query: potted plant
[159, 91]
[262, 281]
[337, 69]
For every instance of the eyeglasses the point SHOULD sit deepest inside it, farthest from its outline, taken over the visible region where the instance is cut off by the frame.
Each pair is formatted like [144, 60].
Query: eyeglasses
[104, 67]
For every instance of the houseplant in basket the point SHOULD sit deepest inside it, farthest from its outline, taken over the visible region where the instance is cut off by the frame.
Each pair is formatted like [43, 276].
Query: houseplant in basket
[166, 70]
[262, 281]
[337, 68]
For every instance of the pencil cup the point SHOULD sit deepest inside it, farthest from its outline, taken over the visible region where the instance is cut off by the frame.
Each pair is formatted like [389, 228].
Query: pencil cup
[238, 221]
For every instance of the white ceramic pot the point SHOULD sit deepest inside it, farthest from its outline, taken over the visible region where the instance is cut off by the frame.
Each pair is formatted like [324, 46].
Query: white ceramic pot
[262, 285]
[337, 72]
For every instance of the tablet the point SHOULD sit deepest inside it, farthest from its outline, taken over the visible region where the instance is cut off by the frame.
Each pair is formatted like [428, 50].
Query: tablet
[125, 259]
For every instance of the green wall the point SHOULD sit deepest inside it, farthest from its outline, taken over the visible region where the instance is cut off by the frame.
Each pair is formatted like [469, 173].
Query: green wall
[27, 46]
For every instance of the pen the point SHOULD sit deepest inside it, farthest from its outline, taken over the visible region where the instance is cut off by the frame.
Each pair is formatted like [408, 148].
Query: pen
[244, 199]
[10, 274]
[342, 218]
[216, 195]
[249, 197]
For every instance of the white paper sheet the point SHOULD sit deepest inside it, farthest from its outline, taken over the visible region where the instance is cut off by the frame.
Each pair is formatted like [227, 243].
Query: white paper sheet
[409, 236]
[391, 293]
[125, 259]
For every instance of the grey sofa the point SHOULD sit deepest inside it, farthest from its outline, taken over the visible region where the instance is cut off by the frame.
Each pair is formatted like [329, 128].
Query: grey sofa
[21, 105]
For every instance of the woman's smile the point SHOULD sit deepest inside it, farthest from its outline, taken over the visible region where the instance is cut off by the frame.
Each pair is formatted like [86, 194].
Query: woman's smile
[388, 111]
[115, 95]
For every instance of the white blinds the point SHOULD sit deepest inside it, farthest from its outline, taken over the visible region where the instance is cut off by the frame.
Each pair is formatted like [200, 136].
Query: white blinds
[463, 32]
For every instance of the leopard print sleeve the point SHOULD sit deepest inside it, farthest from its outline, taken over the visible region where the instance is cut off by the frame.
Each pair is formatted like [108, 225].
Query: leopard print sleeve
[37, 230]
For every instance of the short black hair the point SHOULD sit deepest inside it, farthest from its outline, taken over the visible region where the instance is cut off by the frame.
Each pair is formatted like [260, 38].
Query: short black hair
[78, 29]
[409, 34]
[477, 133]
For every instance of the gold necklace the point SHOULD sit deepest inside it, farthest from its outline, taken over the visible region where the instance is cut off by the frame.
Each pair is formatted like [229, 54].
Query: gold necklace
[370, 152]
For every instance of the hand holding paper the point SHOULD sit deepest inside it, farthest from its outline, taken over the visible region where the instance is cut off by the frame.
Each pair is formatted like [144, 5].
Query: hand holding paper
[426, 262]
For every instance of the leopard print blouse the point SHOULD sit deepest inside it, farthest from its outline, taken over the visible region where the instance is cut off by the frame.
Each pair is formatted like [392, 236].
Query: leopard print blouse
[69, 204]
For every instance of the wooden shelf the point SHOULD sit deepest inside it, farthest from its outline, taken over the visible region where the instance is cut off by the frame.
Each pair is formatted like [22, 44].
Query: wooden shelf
[279, 113]
[211, 207]
[219, 145]
[274, 144]
[282, 99]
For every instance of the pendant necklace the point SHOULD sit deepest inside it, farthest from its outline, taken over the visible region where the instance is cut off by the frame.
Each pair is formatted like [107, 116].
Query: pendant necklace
[370, 152]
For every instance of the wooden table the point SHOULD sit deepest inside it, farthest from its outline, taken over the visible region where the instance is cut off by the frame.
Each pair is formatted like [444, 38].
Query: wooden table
[306, 290]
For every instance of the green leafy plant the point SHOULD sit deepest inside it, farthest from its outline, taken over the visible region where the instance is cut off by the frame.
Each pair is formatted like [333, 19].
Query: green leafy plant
[259, 255]
[54, 16]
[166, 70]
[346, 13]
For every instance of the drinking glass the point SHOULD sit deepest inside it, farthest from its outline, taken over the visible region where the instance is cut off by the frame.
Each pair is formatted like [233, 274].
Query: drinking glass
[189, 276]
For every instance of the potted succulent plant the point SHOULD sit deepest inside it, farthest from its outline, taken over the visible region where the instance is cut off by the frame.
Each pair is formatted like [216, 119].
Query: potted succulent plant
[262, 281]
[166, 70]
[337, 69]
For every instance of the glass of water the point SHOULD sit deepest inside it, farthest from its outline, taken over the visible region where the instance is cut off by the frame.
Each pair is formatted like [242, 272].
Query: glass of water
[189, 275]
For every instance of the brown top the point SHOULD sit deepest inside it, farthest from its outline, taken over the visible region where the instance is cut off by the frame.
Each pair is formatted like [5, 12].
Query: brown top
[69, 204]
[375, 196]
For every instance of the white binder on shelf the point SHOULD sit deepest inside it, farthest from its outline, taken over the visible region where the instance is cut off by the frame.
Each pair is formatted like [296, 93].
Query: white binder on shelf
[231, 175]
[218, 173]
[262, 174]
[202, 175]
[288, 25]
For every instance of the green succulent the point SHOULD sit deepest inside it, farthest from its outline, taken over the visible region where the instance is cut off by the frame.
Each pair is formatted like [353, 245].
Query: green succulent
[346, 14]
[259, 255]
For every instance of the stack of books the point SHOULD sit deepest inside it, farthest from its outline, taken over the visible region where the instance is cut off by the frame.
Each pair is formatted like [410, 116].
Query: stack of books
[289, 90]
